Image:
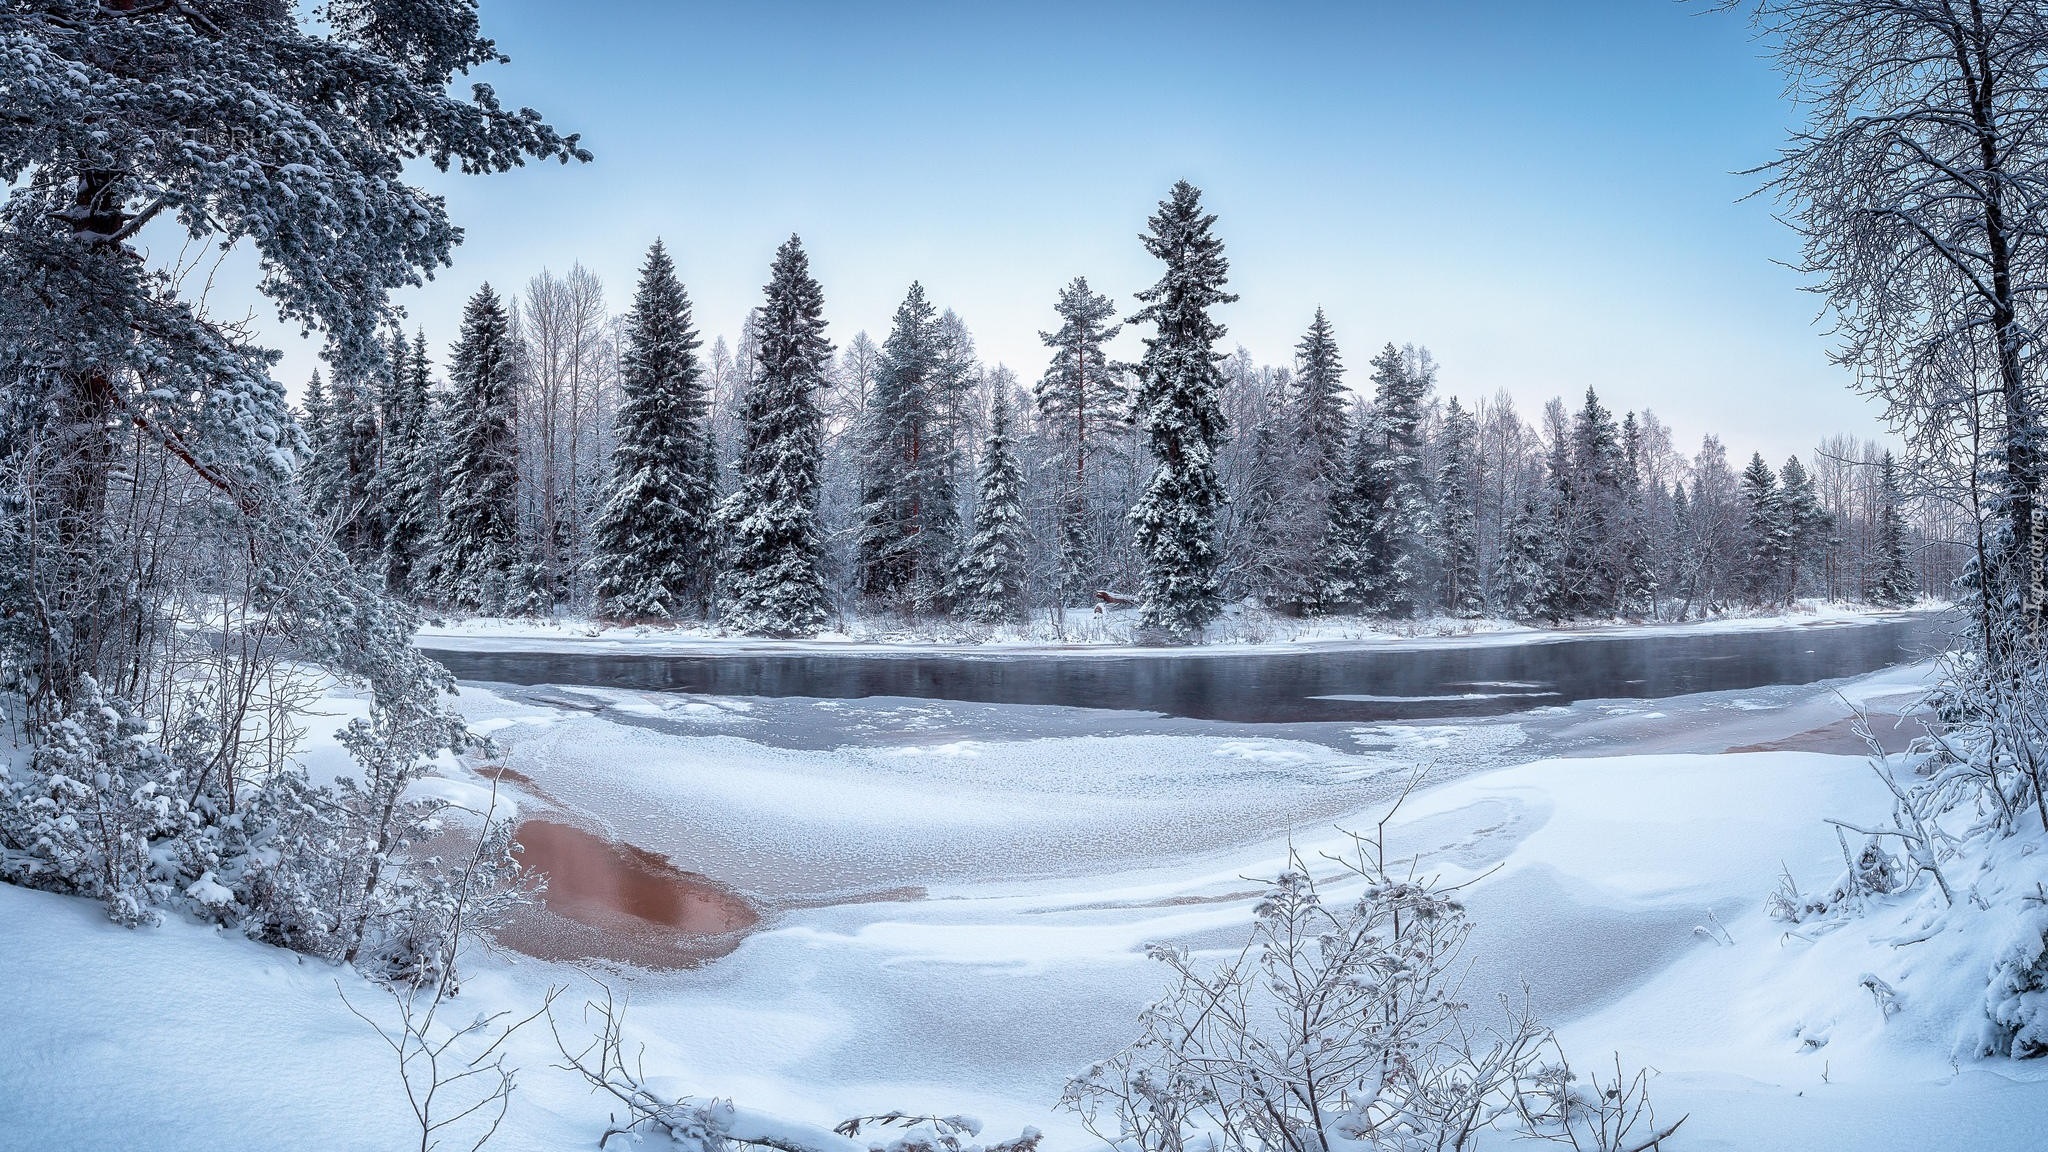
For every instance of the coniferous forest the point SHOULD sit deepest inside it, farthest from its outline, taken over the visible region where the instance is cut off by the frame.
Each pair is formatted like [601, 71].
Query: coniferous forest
[559, 458]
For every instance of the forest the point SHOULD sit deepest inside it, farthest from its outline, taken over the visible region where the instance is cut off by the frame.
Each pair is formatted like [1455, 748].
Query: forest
[561, 458]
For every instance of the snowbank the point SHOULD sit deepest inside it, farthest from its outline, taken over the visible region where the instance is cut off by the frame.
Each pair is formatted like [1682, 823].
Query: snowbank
[1626, 890]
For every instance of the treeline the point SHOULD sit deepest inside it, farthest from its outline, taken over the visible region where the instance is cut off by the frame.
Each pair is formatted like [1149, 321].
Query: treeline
[573, 460]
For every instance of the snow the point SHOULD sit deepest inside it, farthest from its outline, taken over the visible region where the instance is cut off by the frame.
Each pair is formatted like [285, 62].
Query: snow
[1047, 863]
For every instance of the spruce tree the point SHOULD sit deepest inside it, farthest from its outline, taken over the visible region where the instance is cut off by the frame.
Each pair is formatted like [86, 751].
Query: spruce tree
[1321, 425]
[1768, 535]
[770, 522]
[991, 578]
[1636, 591]
[1530, 564]
[1081, 399]
[316, 472]
[1396, 546]
[910, 527]
[355, 437]
[653, 537]
[1179, 402]
[1890, 582]
[478, 538]
[1350, 567]
[1593, 512]
[1457, 516]
[1807, 524]
[409, 468]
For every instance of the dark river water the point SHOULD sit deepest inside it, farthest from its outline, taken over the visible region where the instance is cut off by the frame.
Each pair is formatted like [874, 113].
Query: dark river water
[1387, 683]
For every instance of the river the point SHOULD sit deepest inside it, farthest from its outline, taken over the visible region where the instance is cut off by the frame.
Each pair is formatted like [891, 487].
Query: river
[1480, 676]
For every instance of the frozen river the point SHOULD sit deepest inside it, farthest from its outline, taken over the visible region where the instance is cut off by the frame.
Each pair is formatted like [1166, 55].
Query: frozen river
[958, 860]
[1471, 677]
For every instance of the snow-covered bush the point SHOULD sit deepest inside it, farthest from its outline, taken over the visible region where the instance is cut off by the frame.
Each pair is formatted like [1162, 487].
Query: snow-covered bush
[1871, 872]
[108, 806]
[91, 806]
[1338, 1025]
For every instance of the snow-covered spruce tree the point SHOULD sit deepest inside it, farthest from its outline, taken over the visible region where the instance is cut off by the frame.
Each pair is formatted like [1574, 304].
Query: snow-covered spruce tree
[654, 536]
[316, 464]
[1179, 405]
[156, 454]
[1890, 582]
[1267, 547]
[1456, 519]
[1807, 525]
[1393, 583]
[910, 526]
[1321, 423]
[1353, 550]
[1767, 534]
[478, 539]
[412, 473]
[1529, 578]
[355, 436]
[990, 583]
[770, 522]
[1636, 582]
[1589, 481]
[1082, 399]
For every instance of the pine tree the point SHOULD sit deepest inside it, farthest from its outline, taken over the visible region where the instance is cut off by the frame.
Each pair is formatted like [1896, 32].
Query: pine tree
[653, 536]
[478, 538]
[770, 522]
[1180, 403]
[991, 577]
[1457, 519]
[1890, 583]
[1769, 535]
[1081, 398]
[909, 524]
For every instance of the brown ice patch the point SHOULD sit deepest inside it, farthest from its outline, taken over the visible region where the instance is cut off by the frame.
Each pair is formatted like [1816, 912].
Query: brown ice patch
[607, 900]
[520, 780]
[1840, 738]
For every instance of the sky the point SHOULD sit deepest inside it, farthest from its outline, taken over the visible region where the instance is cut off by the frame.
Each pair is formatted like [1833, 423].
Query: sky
[1547, 195]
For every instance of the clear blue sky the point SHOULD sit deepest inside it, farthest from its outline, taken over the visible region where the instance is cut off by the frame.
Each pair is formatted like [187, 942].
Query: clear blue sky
[1543, 193]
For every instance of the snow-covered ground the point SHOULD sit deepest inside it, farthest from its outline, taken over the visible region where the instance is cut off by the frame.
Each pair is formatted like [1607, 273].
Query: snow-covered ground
[1243, 627]
[957, 898]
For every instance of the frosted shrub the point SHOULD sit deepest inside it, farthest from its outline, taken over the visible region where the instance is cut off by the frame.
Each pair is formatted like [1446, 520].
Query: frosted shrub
[2016, 1002]
[1338, 1025]
[1871, 872]
[93, 802]
[102, 809]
